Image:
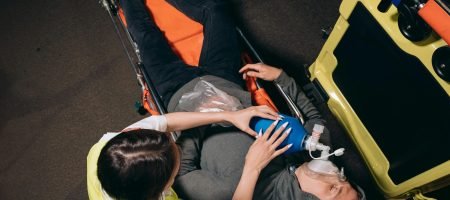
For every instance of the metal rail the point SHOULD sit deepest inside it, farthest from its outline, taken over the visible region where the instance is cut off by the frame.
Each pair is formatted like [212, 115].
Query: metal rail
[145, 82]
[292, 106]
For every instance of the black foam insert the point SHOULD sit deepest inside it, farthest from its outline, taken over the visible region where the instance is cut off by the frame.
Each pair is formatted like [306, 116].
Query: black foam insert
[403, 107]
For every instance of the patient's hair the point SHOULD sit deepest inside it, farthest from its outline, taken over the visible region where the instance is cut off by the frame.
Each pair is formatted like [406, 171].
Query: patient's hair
[137, 164]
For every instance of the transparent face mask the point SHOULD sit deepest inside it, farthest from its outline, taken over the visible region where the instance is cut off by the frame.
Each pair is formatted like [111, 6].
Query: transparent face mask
[330, 177]
[322, 176]
[330, 185]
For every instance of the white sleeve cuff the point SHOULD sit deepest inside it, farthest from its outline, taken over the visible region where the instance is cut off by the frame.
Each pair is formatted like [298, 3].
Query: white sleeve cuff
[154, 122]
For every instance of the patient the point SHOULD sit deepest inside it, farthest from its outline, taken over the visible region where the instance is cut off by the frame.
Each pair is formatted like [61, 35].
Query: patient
[222, 168]
[212, 157]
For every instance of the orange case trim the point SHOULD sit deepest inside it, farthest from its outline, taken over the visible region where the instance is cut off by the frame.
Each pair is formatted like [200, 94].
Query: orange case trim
[437, 18]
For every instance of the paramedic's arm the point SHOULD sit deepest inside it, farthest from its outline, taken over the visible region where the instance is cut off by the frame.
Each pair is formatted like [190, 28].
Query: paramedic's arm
[287, 83]
[262, 151]
[240, 119]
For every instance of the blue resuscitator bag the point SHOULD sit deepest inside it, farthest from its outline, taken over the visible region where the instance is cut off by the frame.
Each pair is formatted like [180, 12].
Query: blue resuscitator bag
[296, 137]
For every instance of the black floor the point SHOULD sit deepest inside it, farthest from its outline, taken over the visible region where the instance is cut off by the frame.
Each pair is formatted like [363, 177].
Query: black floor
[65, 80]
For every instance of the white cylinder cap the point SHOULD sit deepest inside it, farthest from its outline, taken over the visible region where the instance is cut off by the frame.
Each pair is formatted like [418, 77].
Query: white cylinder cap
[318, 128]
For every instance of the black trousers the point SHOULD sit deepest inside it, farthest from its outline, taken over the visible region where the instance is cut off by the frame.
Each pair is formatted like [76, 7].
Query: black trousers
[220, 55]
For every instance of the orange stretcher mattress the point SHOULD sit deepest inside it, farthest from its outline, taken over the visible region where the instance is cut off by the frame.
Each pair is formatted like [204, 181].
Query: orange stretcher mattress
[185, 35]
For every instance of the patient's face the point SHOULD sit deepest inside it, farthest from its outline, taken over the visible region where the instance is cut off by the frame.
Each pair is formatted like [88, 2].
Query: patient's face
[329, 188]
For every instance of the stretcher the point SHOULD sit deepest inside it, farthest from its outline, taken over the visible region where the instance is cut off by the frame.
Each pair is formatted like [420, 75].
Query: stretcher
[185, 37]
[387, 82]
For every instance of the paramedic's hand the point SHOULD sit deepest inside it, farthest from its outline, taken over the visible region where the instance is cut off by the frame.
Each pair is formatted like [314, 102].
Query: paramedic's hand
[263, 150]
[241, 119]
[261, 71]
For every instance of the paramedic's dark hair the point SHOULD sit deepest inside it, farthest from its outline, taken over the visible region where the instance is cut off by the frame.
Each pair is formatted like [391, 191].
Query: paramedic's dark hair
[137, 165]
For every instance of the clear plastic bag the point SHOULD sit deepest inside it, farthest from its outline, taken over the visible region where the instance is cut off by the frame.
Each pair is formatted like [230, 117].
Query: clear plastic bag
[207, 98]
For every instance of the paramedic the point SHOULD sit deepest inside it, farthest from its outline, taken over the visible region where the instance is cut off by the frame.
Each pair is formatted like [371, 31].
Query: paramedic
[141, 161]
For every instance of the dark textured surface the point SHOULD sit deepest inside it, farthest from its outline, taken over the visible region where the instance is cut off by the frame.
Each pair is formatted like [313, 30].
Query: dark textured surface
[64, 81]
[287, 33]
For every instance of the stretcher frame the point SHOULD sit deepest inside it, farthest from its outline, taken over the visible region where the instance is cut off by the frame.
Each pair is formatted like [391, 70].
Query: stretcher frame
[151, 100]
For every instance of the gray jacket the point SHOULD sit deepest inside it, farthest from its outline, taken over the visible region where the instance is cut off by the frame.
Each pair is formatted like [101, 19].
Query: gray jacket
[213, 156]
